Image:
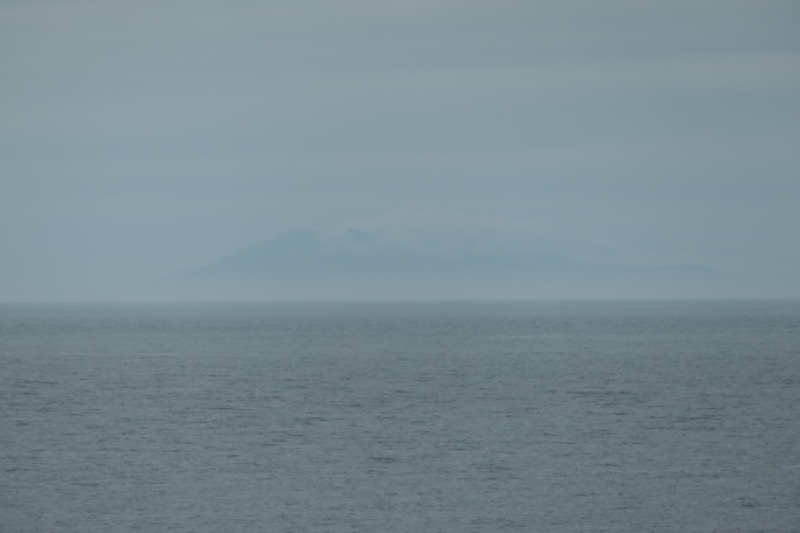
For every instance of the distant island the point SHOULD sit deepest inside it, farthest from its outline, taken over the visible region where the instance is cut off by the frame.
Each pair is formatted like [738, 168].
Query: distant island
[352, 264]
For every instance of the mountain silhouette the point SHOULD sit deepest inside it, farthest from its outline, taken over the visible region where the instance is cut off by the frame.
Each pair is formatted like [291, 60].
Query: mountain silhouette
[355, 264]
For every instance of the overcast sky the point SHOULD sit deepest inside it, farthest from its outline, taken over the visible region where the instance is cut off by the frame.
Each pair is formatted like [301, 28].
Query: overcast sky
[140, 138]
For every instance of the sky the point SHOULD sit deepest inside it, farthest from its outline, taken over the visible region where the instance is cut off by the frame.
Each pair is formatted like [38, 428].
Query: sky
[142, 138]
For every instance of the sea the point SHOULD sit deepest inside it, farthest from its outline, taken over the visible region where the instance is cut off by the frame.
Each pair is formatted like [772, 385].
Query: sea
[595, 416]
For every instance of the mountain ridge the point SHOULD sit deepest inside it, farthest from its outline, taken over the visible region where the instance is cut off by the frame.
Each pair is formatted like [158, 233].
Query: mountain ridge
[355, 264]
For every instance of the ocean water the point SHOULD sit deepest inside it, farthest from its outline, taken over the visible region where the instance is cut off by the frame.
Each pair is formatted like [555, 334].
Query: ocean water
[402, 417]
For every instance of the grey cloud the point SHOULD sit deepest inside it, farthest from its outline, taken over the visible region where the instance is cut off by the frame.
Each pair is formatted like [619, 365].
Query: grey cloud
[652, 126]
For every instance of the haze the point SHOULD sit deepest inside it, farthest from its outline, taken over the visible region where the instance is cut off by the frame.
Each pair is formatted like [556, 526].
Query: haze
[145, 138]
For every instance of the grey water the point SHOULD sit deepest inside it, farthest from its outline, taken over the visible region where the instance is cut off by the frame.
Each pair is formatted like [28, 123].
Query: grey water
[405, 417]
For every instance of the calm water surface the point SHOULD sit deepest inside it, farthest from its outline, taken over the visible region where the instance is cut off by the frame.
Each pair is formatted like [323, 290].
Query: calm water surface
[472, 417]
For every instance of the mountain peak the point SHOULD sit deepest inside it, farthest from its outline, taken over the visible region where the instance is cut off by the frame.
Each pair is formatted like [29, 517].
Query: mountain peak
[362, 237]
[351, 263]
